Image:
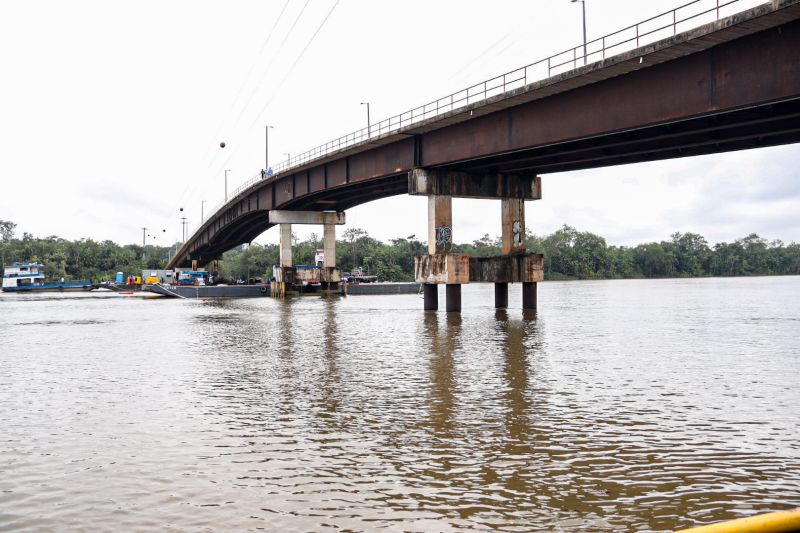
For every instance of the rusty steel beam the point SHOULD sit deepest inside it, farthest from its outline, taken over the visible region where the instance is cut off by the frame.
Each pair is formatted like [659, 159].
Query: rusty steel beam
[755, 70]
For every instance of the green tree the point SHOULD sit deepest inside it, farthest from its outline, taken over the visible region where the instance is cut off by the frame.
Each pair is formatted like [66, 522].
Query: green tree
[6, 230]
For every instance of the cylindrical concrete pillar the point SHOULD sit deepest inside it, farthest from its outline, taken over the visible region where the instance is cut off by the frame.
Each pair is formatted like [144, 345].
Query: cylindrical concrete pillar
[453, 297]
[430, 293]
[501, 295]
[529, 295]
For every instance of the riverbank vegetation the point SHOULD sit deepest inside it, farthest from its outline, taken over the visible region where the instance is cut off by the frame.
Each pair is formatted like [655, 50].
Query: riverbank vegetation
[569, 254]
[81, 259]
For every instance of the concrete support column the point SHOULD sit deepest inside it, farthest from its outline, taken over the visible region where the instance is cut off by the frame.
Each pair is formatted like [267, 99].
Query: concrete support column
[453, 297]
[286, 245]
[501, 295]
[329, 245]
[431, 296]
[529, 295]
[513, 221]
[440, 224]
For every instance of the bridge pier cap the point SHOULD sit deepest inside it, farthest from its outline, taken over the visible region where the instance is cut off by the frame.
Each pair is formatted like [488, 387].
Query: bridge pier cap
[436, 182]
[278, 216]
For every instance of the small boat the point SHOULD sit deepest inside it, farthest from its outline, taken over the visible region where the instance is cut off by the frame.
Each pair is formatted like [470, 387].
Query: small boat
[27, 277]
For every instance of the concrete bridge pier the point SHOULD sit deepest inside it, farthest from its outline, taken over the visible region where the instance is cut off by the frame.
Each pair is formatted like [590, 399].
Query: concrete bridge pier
[430, 294]
[529, 295]
[284, 267]
[285, 245]
[452, 296]
[501, 295]
[287, 275]
[442, 265]
[329, 258]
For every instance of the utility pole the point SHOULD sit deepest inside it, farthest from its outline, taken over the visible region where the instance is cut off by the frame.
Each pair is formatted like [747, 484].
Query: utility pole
[144, 234]
[226, 183]
[369, 127]
[266, 149]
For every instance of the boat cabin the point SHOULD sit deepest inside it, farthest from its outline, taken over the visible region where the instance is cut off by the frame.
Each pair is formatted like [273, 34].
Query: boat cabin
[193, 277]
[23, 275]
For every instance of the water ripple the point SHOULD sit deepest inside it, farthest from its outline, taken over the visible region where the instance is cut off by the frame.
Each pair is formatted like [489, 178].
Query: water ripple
[640, 406]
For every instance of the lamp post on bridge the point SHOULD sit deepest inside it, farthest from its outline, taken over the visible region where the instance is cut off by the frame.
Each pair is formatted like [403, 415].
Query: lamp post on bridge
[202, 217]
[266, 147]
[583, 9]
[369, 125]
[288, 157]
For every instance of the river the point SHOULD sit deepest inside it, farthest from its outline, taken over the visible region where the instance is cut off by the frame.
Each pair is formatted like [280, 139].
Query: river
[636, 405]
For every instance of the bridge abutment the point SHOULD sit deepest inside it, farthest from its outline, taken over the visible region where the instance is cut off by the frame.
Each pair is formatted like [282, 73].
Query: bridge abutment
[444, 266]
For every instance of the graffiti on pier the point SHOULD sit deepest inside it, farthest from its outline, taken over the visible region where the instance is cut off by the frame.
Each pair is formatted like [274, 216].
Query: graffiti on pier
[516, 233]
[444, 238]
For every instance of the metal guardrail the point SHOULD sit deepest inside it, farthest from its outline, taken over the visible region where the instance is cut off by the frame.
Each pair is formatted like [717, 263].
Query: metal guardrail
[669, 23]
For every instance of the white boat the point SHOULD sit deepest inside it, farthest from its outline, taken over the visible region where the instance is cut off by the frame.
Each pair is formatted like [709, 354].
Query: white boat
[27, 277]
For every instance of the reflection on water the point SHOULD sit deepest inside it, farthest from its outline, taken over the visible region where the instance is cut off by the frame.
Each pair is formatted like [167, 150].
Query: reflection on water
[642, 405]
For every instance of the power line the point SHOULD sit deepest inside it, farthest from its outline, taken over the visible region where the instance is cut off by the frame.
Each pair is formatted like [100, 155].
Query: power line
[269, 65]
[250, 72]
[191, 186]
[288, 73]
[296, 61]
[235, 150]
[283, 80]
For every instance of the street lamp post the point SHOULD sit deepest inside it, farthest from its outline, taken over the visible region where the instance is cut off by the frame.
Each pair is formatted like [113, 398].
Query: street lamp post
[226, 183]
[583, 9]
[202, 205]
[266, 148]
[369, 126]
[288, 157]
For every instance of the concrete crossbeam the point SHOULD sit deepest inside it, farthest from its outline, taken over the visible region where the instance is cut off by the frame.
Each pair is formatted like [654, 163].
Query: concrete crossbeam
[279, 216]
[450, 268]
[423, 181]
[295, 275]
[525, 268]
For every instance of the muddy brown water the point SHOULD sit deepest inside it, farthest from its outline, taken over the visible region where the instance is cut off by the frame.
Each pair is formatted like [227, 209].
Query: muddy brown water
[623, 406]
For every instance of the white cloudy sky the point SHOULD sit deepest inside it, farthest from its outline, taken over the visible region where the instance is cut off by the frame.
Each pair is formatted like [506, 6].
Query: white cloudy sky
[111, 114]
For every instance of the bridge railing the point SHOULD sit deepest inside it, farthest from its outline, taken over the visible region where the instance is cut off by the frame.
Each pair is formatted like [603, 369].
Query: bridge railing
[669, 23]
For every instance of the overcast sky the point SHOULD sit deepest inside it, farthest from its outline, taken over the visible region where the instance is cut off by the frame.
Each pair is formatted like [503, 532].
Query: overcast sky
[112, 113]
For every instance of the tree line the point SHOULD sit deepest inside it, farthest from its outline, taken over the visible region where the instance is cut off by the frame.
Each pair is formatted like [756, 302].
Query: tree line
[81, 259]
[568, 254]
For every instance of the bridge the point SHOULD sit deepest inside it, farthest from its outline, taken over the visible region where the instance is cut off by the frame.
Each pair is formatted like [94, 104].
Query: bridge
[728, 83]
